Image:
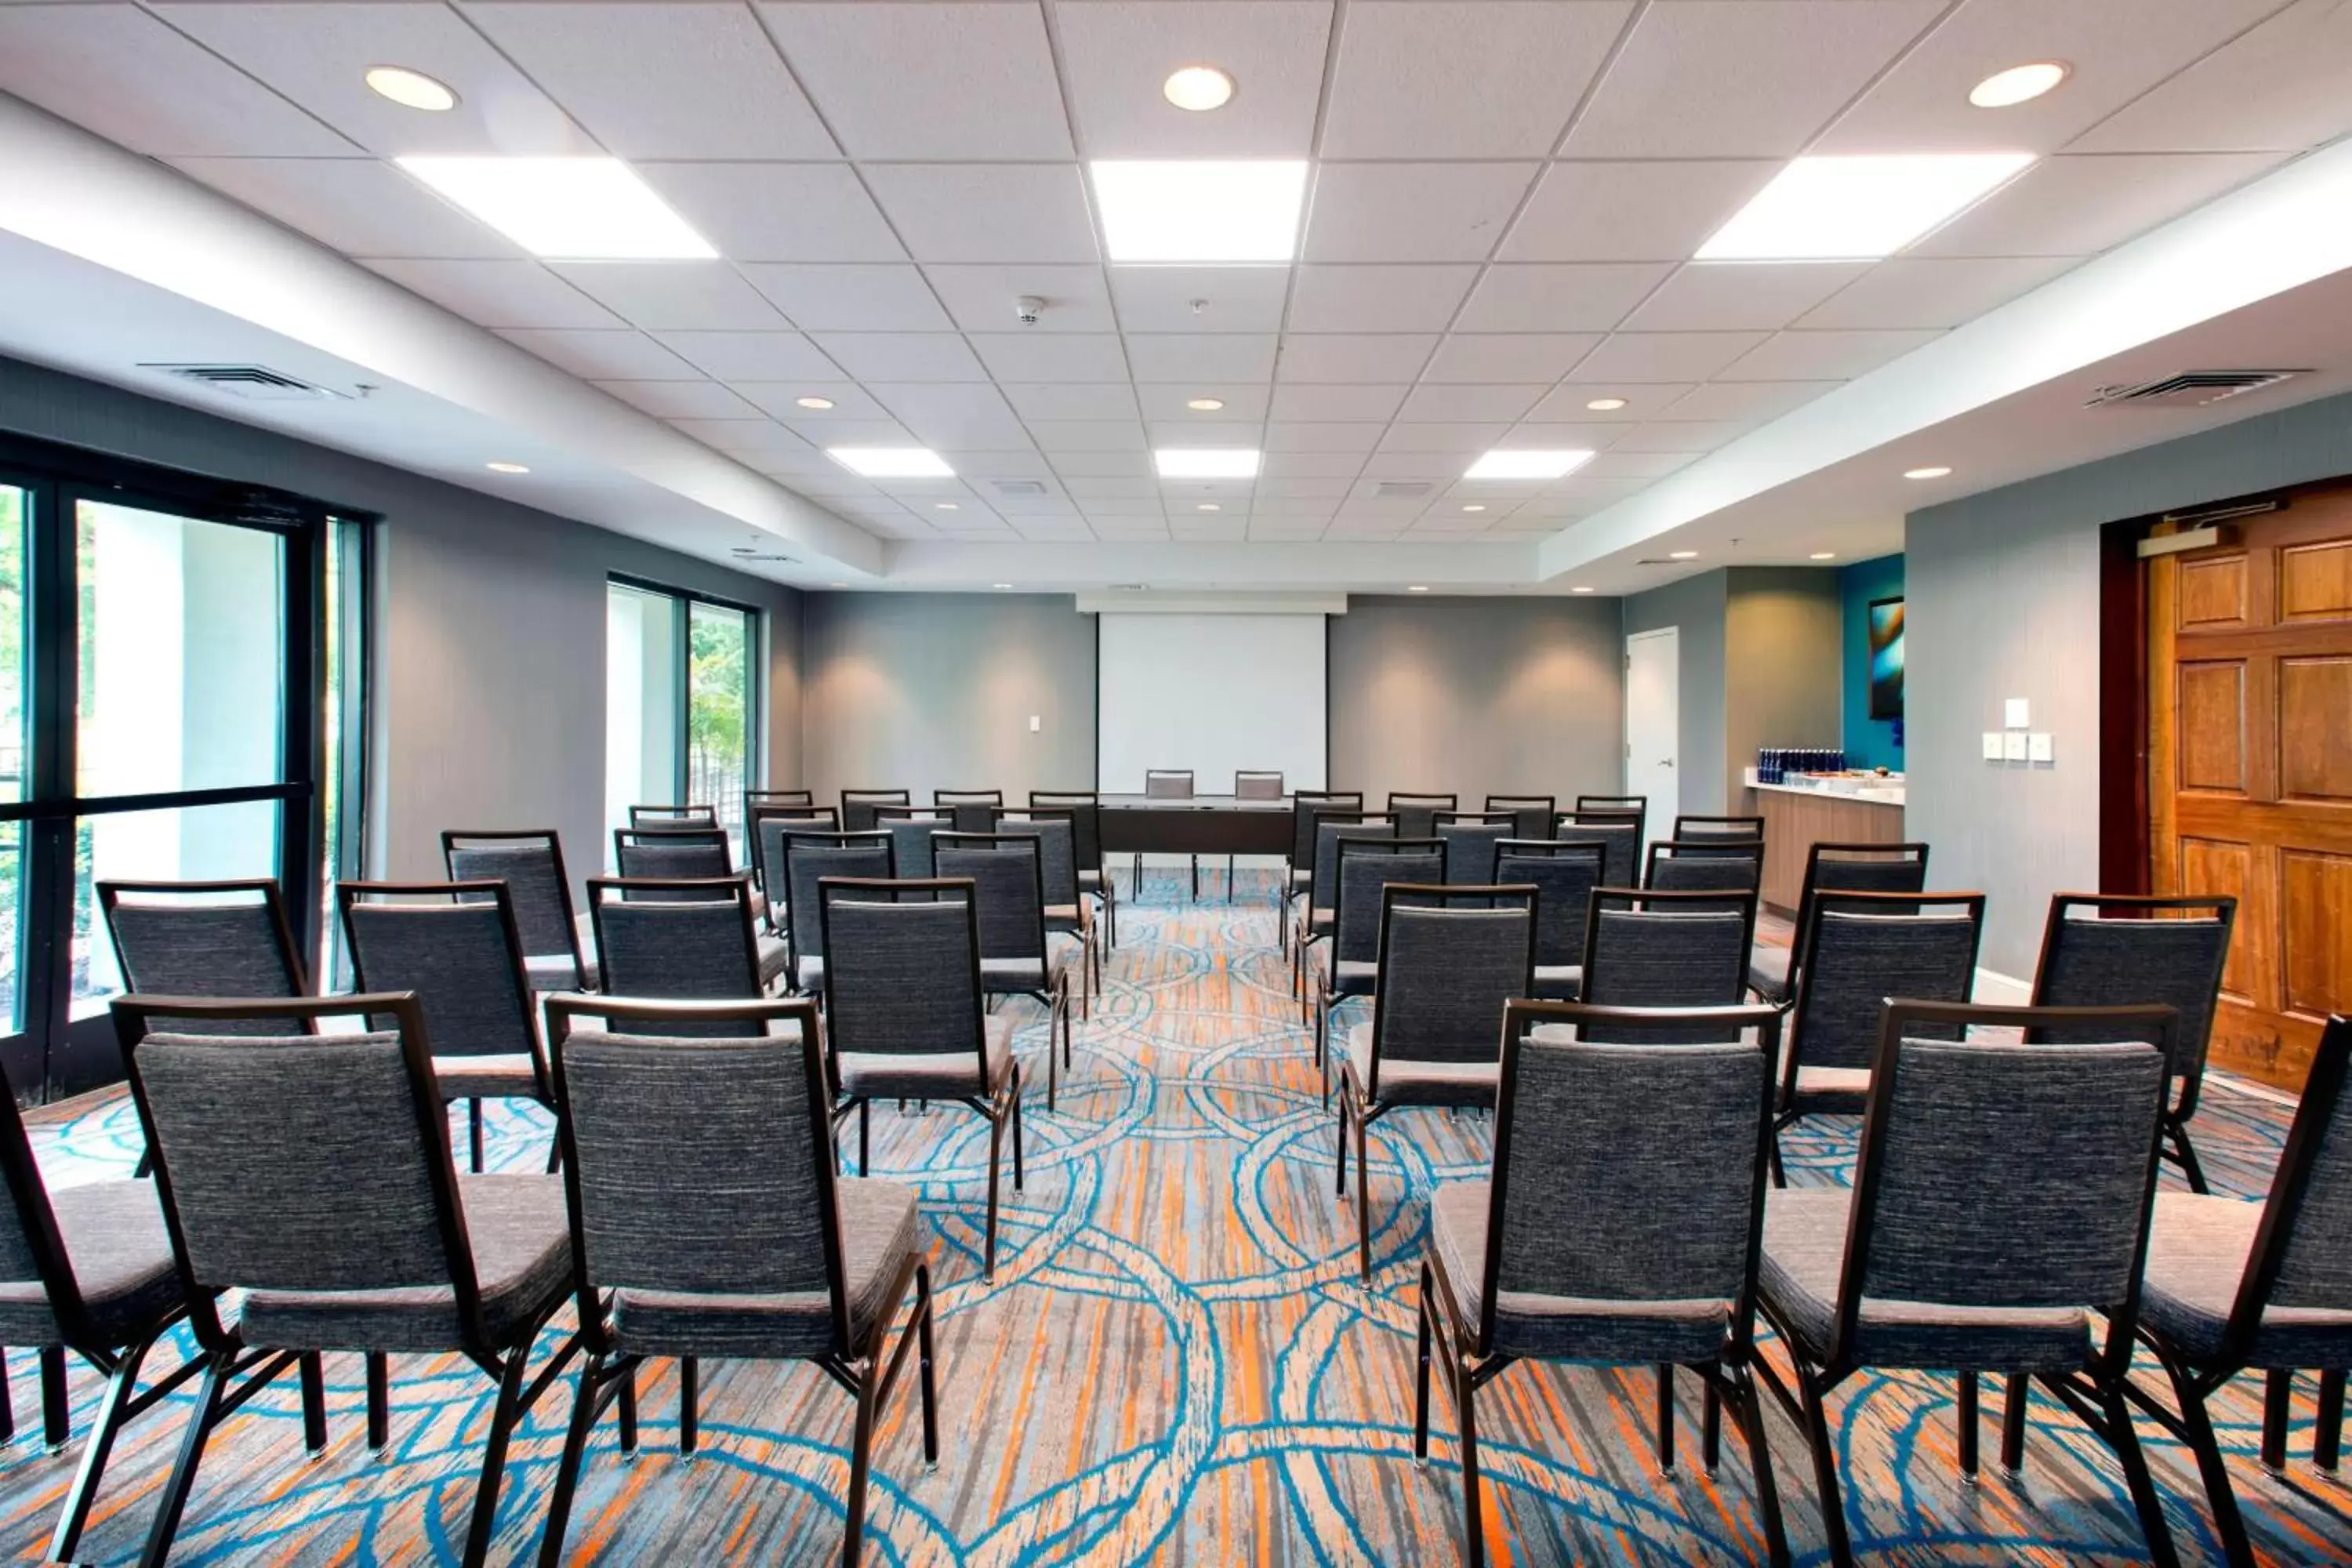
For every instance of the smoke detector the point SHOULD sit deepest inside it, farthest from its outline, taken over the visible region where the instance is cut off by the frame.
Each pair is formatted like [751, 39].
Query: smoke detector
[2190, 388]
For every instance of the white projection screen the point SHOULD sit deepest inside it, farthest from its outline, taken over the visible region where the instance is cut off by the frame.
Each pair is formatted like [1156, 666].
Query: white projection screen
[1215, 693]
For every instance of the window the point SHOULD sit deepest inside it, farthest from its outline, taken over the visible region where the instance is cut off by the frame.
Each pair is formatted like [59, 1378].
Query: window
[681, 703]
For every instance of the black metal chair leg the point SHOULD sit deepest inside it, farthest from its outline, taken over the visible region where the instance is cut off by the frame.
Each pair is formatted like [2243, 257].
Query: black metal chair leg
[120, 1386]
[2191, 1166]
[313, 1372]
[1965, 1409]
[1666, 1416]
[988, 1241]
[379, 1399]
[567, 1469]
[2142, 1485]
[1420, 1371]
[2012, 1423]
[174, 1501]
[473, 1132]
[1749, 1409]
[7, 1402]
[861, 1458]
[930, 1386]
[1339, 1172]
[1474, 1537]
[2278, 1396]
[1710, 1425]
[57, 1402]
[504, 1416]
[2205, 1447]
[1363, 1196]
[2327, 1437]
[864, 1133]
[690, 1405]
[1825, 1472]
[626, 1409]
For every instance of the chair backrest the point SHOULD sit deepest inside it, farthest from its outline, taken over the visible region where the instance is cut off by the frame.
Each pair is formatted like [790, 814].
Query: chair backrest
[1593, 1141]
[1667, 949]
[809, 857]
[295, 1160]
[1677, 867]
[778, 797]
[33, 1256]
[668, 854]
[2014, 1176]
[902, 971]
[455, 946]
[1618, 836]
[204, 939]
[677, 940]
[857, 806]
[769, 825]
[1057, 836]
[694, 1166]
[2302, 1256]
[1470, 838]
[1007, 874]
[910, 828]
[1698, 832]
[1530, 814]
[1085, 820]
[1168, 784]
[1303, 804]
[1416, 813]
[1635, 805]
[1855, 868]
[1257, 786]
[1331, 825]
[1450, 958]
[2105, 952]
[1867, 947]
[530, 863]
[1564, 875]
[1365, 866]
[974, 808]
[673, 817]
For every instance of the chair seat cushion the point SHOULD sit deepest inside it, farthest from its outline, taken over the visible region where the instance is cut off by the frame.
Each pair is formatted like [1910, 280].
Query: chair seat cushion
[555, 972]
[1078, 917]
[1568, 1328]
[878, 1234]
[1805, 1252]
[1559, 981]
[2196, 1254]
[1354, 977]
[1767, 972]
[1833, 1088]
[810, 977]
[775, 957]
[121, 1257]
[522, 1259]
[1407, 1080]
[504, 1076]
[1002, 976]
[931, 1075]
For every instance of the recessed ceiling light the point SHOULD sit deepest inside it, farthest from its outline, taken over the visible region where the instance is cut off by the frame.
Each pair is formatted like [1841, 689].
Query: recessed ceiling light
[1206, 462]
[1606, 405]
[566, 209]
[1824, 554]
[507, 468]
[1208, 506]
[1506, 464]
[1417, 588]
[1168, 210]
[1198, 89]
[1474, 509]
[411, 89]
[891, 462]
[1927, 473]
[1682, 554]
[1856, 208]
[1205, 404]
[2018, 84]
[819, 404]
[945, 506]
[1579, 590]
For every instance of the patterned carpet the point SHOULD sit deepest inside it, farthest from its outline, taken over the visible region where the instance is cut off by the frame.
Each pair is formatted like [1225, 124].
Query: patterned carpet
[1174, 1364]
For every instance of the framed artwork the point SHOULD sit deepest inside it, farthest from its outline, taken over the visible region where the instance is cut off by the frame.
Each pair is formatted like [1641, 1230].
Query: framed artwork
[1887, 658]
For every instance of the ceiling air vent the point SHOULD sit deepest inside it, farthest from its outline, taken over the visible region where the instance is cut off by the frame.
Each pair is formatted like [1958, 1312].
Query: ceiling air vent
[744, 553]
[258, 383]
[1400, 489]
[1019, 486]
[2190, 388]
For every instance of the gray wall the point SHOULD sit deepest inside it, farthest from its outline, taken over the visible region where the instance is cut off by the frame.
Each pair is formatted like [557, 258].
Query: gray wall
[1476, 696]
[1698, 608]
[925, 691]
[1783, 674]
[2002, 600]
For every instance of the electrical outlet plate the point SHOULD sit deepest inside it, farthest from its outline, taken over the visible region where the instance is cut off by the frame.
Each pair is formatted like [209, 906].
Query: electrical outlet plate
[1992, 745]
[2013, 743]
[2013, 714]
[2041, 747]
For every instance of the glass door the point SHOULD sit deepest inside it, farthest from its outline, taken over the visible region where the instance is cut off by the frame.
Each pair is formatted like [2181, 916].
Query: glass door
[681, 703]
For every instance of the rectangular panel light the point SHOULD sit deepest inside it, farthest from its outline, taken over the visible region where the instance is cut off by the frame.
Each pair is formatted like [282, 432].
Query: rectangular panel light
[1206, 462]
[892, 462]
[1503, 464]
[1859, 208]
[566, 209]
[1184, 211]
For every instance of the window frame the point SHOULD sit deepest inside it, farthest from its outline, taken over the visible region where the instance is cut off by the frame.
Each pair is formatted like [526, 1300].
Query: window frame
[755, 692]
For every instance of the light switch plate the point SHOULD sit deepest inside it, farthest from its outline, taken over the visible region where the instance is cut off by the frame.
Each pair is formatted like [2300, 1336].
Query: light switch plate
[1036, 723]
[2013, 714]
[1993, 749]
[2041, 747]
[2013, 745]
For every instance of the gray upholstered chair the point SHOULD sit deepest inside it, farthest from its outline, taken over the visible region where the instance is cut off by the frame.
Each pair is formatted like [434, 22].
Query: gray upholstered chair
[1564, 875]
[1085, 807]
[683, 941]
[1416, 811]
[1363, 867]
[1999, 1208]
[1666, 950]
[1865, 948]
[1531, 814]
[2099, 950]
[1166, 784]
[1677, 867]
[1560, 1256]
[910, 828]
[1067, 912]
[1330, 825]
[809, 857]
[665, 854]
[86, 1269]
[1009, 905]
[1618, 835]
[706, 1221]
[1261, 785]
[754, 801]
[974, 808]
[456, 945]
[311, 1173]
[1730, 832]
[1634, 806]
[2234, 1285]
[857, 806]
[1840, 869]
[660, 817]
[204, 939]
[1298, 873]
[907, 1016]
[1470, 837]
[1450, 959]
[769, 824]
[529, 861]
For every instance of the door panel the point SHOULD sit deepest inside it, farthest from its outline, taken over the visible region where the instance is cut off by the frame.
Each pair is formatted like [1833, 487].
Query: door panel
[2213, 726]
[2315, 581]
[2213, 593]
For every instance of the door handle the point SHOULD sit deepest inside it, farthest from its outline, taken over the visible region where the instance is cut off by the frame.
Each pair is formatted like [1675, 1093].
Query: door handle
[1665, 761]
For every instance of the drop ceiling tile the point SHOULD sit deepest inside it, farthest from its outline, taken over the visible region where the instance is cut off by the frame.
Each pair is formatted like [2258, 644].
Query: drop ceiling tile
[849, 299]
[1059, 436]
[1200, 431]
[1333, 298]
[1073, 400]
[1407, 70]
[319, 55]
[776, 212]
[1749, 401]
[499, 293]
[1200, 357]
[795, 467]
[1199, 299]
[1666, 356]
[1166, 400]
[1465, 400]
[1306, 465]
[1023, 465]
[603, 355]
[2081, 205]
[1632, 211]
[1051, 357]
[1297, 401]
[920, 80]
[1413, 212]
[1501, 358]
[1631, 465]
[1573, 297]
[781, 398]
[1124, 506]
[1089, 488]
[953, 417]
[1297, 435]
[1563, 435]
[1679, 436]
[751, 356]
[680, 399]
[1465, 437]
[118, 72]
[672, 296]
[1055, 530]
[1644, 400]
[1919, 291]
[1306, 490]
[1732, 296]
[984, 299]
[742, 434]
[901, 356]
[1209, 530]
[1715, 79]
[984, 213]
[830, 433]
[1353, 357]
[661, 80]
[1116, 56]
[361, 206]
[2276, 88]
[1823, 356]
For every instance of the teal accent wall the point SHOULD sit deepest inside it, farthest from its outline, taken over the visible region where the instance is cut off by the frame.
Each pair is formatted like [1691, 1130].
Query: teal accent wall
[1869, 742]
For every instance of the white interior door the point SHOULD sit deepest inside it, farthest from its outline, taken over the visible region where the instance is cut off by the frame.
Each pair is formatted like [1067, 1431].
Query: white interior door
[1652, 723]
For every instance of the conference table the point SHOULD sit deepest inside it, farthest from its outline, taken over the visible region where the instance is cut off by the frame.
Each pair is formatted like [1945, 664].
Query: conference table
[1194, 825]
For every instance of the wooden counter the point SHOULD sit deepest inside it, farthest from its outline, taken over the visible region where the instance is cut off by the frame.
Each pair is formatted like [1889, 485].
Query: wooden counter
[1797, 819]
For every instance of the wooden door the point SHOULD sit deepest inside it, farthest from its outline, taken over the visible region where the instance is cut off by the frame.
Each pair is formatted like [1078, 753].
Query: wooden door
[2250, 766]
